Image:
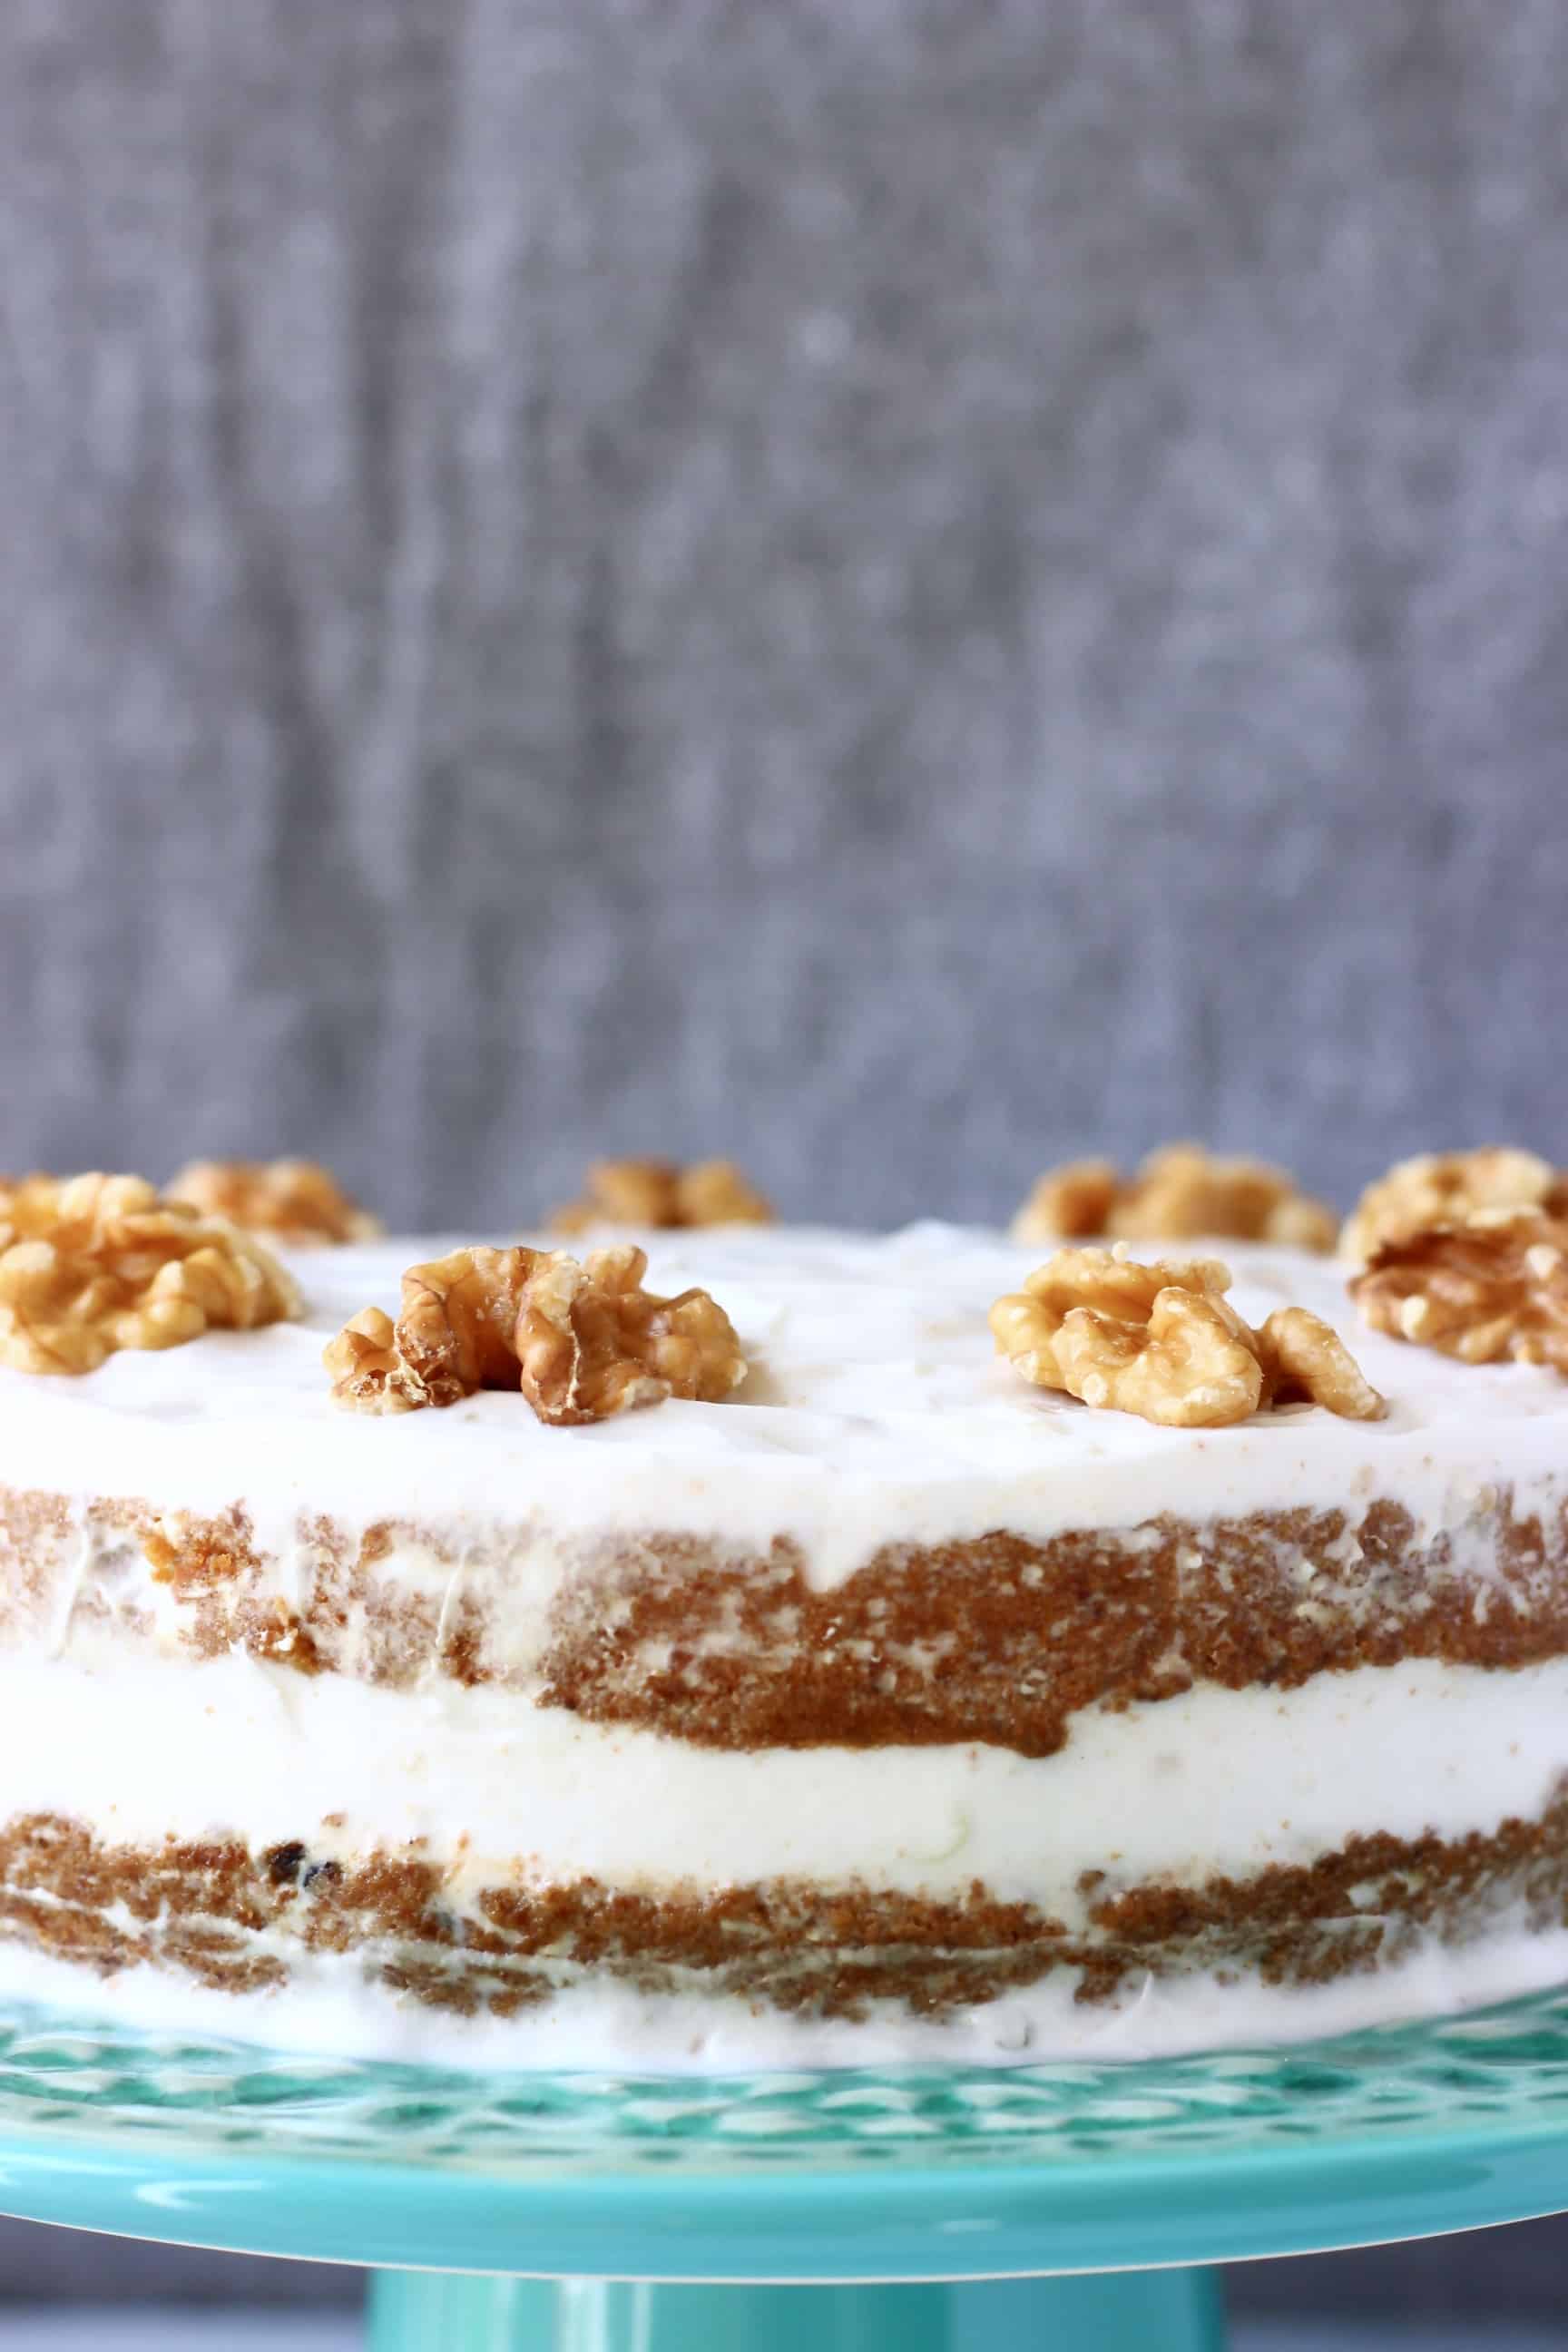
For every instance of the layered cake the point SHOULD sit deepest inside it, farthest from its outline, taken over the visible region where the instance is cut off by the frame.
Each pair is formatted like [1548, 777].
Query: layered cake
[782, 1646]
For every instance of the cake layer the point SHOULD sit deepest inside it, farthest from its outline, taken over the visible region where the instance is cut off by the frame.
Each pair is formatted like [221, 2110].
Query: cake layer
[875, 1415]
[494, 1793]
[244, 1922]
[604, 2021]
[999, 1639]
[885, 1536]
[482, 1859]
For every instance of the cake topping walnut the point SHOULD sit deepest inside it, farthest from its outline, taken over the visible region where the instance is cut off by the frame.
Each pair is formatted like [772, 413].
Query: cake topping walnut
[1072, 1202]
[1163, 1341]
[298, 1201]
[581, 1342]
[1492, 1286]
[1181, 1193]
[1445, 1187]
[91, 1264]
[656, 1193]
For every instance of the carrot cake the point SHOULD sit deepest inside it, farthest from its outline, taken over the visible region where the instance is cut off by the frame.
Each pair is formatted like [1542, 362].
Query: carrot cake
[859, 1692]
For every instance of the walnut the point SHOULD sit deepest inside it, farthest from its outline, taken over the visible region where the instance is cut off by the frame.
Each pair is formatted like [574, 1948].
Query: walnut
[91, 1264]
[1163, 1341]
[715, 1192]
[1444, 1187]
[368, 1372]
[298, 1201]
[656, 1193]
[592, 1341]
[581, 1342]
[1486, 1289]
[25, 1198]
[1070, 1204]
[1181, 1193]
[1306, 1361]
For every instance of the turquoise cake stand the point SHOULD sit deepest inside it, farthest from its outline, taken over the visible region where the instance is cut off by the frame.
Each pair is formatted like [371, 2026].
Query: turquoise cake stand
[1057, 2208]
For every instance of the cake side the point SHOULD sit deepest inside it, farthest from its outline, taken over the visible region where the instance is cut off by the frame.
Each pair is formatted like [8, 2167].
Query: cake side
[454, 1851]
[241, 1921]
[998, 1638]
[881, 1699]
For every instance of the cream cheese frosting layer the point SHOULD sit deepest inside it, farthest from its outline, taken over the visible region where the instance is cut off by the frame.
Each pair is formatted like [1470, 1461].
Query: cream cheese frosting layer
[1214, 1782]
[875, 1413]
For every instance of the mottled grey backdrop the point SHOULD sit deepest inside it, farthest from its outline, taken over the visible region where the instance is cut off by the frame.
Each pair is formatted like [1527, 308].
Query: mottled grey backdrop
[899, 589]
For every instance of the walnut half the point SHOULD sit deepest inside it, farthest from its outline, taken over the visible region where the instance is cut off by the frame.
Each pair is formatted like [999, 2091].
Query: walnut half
[657, 1195]
[1181, 1193]
[581, 1342]
[299, 1202]
[1491, 1287]
[1163, 1341]
[93, 1263]
[1445, 1187]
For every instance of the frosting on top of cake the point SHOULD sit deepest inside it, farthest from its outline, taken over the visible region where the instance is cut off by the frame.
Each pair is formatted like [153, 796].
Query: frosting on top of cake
[876, 1411]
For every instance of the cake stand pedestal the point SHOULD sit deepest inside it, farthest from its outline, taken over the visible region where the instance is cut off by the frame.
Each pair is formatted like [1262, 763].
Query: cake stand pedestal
[1147, 2310]
[1046, 2208]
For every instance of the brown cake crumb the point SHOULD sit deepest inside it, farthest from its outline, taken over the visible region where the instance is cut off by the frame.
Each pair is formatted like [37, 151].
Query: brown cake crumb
[297, 1202]
[581, 1342]
[939, 1645]
[1181, 1193]
[657, 1193]
[1164, 1343]
[93, 1263]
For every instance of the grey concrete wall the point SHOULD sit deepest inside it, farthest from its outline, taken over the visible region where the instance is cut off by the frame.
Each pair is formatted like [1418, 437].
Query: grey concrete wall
[899, 589]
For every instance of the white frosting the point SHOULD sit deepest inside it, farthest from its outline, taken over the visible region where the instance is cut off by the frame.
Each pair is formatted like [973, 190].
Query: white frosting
[876, 1411]
[1216, 1780]
[328, 2007]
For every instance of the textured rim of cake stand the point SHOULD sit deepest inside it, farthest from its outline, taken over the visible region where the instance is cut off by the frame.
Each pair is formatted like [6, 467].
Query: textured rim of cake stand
[901, 2174]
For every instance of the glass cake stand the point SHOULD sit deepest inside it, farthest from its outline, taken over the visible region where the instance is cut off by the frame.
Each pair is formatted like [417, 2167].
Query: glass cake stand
[921, 2209]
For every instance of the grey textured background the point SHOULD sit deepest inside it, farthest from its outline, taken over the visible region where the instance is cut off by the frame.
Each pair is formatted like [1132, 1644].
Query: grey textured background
[896, 588]
[899, 589]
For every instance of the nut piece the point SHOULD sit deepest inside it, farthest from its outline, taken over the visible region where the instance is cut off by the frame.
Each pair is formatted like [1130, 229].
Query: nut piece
[656, 1193]
[91, 1264]
[1070, 1204]
[27, 1200]
[1181, 1193]
[580, 1342]
[367, 1371]
[1445, 1187]
[298, 1201]
[1164, 1343]
[592, 1341]
[1489, 1288]
[715, 1192]
[1306, 1361]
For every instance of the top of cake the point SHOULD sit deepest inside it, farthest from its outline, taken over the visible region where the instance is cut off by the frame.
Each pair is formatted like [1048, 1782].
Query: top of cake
[875, 1411]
